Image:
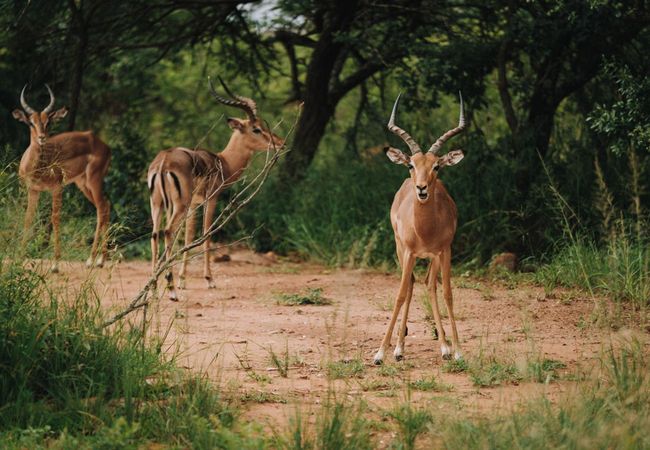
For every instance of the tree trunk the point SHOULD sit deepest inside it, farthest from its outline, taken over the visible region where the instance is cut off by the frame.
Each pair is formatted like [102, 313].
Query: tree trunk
[77, 75]
[534, 139]
[309, 133]
[506, 100]
[296, 87]
[319, 103]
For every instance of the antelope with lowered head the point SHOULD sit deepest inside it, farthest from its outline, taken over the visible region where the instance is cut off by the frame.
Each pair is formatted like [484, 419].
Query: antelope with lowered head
[181, 179]
[49, 163]
[424, 217]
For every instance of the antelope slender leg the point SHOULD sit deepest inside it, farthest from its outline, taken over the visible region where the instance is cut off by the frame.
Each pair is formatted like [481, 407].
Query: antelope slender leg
[174, 222]
[81, 184]
[208, 212]
[407, 271]
[156, 216]
[189, 237]
[433, 298]
[32, 203]
[103, 219]
[57, 194]
[446, 290]
[95, 173]
[401, 334]
[95, 195]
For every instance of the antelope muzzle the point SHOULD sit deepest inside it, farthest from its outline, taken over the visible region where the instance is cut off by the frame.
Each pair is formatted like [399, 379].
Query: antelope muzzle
[422, 192]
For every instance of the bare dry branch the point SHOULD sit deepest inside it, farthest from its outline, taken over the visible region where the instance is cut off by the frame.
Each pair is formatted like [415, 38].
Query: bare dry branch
[241, 199]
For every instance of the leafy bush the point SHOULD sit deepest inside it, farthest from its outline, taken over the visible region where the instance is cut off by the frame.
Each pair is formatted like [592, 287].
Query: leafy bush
[65, 378]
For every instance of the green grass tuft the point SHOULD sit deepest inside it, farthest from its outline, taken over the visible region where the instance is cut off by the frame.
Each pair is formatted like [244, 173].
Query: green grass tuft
[313, 297]
[456, 366]
[352, 368]
[339, 426]
[544, 371]
[610, 412]
[429, 384]
[411, 422]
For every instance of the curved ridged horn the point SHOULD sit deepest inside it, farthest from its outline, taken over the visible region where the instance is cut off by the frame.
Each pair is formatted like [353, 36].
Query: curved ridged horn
[248, 101]
[401, 133]
[26, 107]
[52, 100]
[451, 133]
[250, 112]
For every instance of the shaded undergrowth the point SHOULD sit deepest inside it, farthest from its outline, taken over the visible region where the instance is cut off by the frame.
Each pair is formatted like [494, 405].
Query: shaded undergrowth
[67, 381]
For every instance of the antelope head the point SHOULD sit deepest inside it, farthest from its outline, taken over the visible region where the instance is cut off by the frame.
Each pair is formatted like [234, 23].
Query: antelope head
[424, 167]
[39, 122]
[254, 134]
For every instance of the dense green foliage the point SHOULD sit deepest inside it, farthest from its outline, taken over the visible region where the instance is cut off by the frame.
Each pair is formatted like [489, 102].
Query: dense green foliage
[542, 104]
[65, 377]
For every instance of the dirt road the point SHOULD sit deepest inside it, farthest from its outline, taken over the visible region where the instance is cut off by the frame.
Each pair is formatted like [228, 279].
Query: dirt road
[232, 331]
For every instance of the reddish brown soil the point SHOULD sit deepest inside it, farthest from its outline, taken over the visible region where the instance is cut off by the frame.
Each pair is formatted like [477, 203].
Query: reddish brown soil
[229, 331]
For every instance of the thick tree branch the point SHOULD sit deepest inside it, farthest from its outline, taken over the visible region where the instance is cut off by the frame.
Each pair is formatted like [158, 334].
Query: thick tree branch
[296, 39]
[506, 101]
[296, 85]
[350, 82]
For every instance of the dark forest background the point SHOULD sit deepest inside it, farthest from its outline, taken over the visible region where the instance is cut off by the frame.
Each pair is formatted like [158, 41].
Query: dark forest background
[557, 98]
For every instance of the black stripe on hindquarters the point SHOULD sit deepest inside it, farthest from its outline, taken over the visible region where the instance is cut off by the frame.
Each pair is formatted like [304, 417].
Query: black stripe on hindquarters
[162, 183]
[176, 183]
[153, 182]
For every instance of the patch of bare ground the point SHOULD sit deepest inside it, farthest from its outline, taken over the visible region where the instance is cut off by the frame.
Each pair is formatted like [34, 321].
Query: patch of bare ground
[281, 359]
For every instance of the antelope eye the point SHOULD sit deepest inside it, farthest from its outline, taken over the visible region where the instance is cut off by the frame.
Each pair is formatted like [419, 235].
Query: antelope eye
[410, 166]
[257, 131]
[436, 168]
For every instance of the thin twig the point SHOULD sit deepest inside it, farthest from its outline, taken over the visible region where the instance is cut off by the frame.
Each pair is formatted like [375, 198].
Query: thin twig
[233, 207]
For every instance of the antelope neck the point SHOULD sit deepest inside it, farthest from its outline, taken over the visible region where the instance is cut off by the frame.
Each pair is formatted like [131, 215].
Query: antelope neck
[425, 219]
[31, 156]
[235, 157]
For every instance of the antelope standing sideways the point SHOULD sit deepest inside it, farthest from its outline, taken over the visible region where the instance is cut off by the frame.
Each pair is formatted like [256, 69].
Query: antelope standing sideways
[424, 217]
[181, 179]
[49, 163]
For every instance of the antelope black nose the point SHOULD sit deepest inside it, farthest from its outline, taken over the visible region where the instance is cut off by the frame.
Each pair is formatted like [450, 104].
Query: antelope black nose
[422, 192]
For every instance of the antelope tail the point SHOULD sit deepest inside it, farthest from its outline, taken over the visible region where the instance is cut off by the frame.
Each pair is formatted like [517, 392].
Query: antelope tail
[158, 175]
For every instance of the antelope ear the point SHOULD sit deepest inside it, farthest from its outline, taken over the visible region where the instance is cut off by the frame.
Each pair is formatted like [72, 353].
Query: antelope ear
[235, 124]
[19, 114]
[58, 115]
[397, 156]
[451, 158]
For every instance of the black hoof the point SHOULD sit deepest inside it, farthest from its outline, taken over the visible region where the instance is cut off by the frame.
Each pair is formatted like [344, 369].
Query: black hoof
[378, 362]
[399, 358]
[446, 357]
